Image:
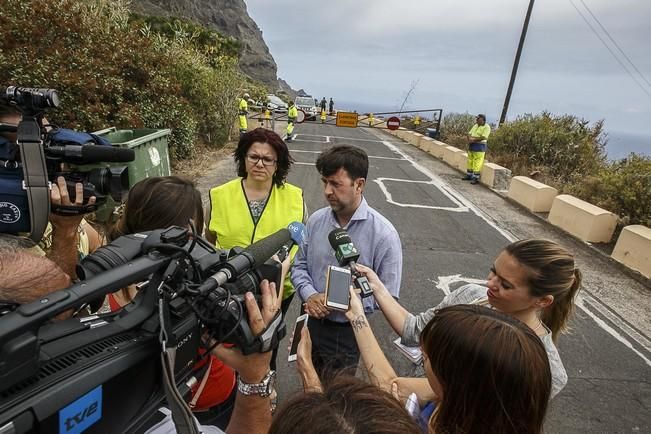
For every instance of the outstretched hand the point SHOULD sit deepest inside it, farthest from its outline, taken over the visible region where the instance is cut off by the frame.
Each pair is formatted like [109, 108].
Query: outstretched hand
[253, 367]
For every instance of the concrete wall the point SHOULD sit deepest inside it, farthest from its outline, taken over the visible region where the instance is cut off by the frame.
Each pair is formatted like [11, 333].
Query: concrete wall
[582, 219]
[633, 249]
[533, 195]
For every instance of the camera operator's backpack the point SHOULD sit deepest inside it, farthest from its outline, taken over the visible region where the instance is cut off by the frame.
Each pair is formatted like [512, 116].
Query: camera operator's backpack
[64, 136]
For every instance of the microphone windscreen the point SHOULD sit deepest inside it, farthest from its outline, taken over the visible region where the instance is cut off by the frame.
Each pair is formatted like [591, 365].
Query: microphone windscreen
[297, 232]
[107, 154]
[339, 237]
[265, 248]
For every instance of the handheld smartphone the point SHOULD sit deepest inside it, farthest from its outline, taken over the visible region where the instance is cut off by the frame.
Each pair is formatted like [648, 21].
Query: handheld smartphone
[338, 288]
[301, 322]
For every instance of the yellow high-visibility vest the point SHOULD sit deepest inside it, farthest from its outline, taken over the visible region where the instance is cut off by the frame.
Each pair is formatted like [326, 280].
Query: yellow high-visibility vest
[231, 220]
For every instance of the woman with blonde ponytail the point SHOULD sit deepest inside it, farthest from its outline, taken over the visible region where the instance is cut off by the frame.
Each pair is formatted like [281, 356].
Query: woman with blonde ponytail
[535, 281]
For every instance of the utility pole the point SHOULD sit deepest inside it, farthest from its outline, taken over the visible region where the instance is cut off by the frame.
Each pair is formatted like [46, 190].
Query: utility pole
[516, 62]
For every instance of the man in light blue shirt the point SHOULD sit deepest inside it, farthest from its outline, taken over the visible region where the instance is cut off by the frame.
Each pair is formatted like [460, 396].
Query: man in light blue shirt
[343, 171]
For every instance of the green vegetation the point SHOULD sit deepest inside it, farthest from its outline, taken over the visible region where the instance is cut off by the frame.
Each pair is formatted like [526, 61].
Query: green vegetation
[112, 68]
[569, 154]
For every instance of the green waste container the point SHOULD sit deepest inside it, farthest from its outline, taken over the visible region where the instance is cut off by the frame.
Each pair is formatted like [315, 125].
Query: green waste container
[152, 158]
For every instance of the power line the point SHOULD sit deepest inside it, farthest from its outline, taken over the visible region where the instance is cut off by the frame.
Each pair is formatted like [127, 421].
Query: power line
[615, 43]
[644, 89]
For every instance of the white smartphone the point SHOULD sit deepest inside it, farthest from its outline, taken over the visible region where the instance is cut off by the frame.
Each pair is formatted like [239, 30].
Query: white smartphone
[338, 288]
[301, 322]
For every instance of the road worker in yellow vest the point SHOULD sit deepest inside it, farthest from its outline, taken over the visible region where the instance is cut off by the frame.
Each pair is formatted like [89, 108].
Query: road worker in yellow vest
[292, 114]
[416, 121]
[259, 201]
[267, 116]
[370, 119]
[477, 144]
[243, 111]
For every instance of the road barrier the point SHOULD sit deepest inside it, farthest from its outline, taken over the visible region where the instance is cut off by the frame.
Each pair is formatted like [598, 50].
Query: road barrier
[495, 176]
[577, 217]
[461, 161]
[582, 219]
[533, 195]
[633, 249]
[450, 154]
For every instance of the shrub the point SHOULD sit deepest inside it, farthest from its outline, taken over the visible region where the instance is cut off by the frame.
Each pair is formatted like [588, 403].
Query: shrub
[622, 187]
[113, 71]
[564, 148]
[455, 127]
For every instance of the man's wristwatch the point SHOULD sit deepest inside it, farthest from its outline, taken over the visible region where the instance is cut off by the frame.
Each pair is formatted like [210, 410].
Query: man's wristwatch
[263, 388]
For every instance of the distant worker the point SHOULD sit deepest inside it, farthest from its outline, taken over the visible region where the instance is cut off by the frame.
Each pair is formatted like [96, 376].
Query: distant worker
[370, 120]
[323, 116]
[323, 104]
[267, 116]
[243, 111]
[416, 121]
[477, 143]
[332, 107]
[292, 114]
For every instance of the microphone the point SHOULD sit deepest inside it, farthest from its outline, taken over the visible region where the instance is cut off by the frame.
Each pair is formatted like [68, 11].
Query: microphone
[297, 232]
[92, 153]
[250, 258]
[347, 254]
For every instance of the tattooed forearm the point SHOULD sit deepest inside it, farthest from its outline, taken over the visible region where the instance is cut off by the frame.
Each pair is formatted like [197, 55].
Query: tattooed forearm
[359, 323]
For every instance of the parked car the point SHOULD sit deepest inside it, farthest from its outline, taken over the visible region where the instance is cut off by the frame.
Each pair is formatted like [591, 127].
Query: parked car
[275, 103]
[306, 103]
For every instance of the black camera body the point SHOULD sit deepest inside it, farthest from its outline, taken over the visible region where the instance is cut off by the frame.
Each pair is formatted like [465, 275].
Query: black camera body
[102, 373]
[70, 154]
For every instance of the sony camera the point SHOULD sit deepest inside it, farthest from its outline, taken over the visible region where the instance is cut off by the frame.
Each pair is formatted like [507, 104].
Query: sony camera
[31, 154]
[103, 373]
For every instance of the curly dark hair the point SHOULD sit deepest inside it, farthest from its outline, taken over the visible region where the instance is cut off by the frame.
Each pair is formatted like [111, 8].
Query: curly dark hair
[264, 135]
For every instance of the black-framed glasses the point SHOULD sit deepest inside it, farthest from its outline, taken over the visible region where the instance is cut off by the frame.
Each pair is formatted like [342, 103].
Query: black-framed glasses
[254, 159]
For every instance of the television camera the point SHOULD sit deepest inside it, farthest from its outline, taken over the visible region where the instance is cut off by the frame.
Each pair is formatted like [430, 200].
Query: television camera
[38, 156]
[102, 373]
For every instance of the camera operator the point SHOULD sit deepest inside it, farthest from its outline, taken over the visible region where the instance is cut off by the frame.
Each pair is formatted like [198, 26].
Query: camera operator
[67, 238]
[148, 207]
[26, 276]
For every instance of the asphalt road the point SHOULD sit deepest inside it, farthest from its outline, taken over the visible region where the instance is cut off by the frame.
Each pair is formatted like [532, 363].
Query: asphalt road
[451, 232]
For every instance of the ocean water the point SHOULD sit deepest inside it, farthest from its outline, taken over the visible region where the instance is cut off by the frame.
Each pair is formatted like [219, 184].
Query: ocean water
[620, 143]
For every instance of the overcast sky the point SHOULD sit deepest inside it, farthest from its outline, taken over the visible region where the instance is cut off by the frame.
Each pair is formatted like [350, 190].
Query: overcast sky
[461, 52]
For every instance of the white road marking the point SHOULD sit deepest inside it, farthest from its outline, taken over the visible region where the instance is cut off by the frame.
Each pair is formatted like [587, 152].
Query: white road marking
[580, 302]
[318, 152]
[389, 196]
[339, 137]
[586, 296]
[449, 191]
[444, 282]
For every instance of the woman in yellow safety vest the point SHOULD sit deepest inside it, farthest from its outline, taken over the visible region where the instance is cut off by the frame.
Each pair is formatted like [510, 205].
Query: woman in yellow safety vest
[259, 201]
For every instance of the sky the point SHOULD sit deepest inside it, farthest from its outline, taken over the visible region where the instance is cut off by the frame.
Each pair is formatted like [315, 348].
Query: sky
[459, 53]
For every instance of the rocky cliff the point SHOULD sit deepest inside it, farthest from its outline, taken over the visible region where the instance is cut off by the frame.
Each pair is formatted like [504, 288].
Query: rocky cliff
[230, 18]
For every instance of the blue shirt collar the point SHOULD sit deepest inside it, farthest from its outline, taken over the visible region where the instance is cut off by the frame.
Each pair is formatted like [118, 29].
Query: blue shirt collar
[361, 213]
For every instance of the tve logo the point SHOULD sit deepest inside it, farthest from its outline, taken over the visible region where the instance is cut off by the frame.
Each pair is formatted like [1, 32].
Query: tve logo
[82, 413]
